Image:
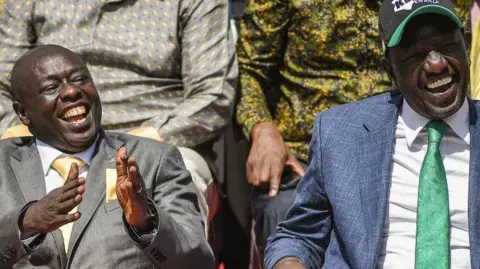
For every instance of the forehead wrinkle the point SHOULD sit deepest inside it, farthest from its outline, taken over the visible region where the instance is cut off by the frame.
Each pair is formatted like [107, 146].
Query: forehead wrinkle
[54, 66]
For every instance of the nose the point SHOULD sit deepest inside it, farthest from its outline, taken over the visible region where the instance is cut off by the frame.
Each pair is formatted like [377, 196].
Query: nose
[70, 93]
[435, 63]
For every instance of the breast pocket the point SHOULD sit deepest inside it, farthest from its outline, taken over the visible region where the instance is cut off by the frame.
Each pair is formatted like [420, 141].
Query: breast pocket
[114, 204]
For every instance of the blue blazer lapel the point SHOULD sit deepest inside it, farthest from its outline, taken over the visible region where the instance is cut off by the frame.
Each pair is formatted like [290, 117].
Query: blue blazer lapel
[474, 186]
[374, 158]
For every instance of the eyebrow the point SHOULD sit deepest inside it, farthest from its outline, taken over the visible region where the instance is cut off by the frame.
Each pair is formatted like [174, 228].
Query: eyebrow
[69, 72]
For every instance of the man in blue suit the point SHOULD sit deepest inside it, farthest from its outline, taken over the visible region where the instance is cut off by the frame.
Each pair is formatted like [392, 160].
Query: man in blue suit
[393, 180]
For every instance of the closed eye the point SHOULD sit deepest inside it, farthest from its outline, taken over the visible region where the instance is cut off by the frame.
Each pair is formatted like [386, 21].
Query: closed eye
[51, 89]
[80, 79]
[414, 57]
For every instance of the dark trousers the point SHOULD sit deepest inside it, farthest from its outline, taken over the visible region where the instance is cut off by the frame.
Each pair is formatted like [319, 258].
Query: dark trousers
[268, 211]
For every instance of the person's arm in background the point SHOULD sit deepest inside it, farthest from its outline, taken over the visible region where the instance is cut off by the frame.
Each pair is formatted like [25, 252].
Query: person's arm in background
[263, 34]
[16, 38]
[209, 73]
[301, 240]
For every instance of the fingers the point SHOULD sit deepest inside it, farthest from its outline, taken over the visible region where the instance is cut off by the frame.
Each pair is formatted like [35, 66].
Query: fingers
[296, 166]
[134, 176]
[70, 204]
[257, 171]
[74, 183]
[121, 164]
[275, 179]
[72, 192]
[126, 188]
[73, 173]
[252, 179]
[71, 195]
[263, 172]
[67, 218]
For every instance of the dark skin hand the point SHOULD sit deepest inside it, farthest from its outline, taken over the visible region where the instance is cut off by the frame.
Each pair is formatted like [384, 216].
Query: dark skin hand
[130, 192]
[289, 263]
[268, 157]
[51, 212]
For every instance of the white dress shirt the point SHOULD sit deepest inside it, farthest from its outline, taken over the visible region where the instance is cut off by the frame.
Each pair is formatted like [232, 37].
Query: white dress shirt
[398, 244]
[48, 154]
[53, 179]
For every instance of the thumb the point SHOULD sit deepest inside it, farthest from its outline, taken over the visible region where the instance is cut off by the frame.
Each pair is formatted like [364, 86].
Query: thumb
[72, 173]
[295, 165]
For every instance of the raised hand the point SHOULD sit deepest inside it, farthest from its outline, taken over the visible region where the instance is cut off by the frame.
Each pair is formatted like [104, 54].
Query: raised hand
[51, 212]
[268, 157]
[130, 192]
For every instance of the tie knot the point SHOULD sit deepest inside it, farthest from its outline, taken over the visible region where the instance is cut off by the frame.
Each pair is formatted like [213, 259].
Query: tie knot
[62, 165]
[436, 130]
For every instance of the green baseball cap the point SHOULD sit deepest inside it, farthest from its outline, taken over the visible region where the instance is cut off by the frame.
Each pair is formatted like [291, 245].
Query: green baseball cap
[395, 15]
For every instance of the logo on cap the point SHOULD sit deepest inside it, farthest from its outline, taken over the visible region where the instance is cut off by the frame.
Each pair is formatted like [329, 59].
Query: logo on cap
[399, 5]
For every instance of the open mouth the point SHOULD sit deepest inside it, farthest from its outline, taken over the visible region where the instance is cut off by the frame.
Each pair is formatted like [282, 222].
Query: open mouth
[76, 114]
[442, 84]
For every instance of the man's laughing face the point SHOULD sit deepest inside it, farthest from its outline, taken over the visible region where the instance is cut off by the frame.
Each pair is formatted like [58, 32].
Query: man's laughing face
[430, 66]
[58, 100]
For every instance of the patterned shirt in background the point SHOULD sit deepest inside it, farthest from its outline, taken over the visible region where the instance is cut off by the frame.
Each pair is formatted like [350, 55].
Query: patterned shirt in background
[167, 64]
[300, 57]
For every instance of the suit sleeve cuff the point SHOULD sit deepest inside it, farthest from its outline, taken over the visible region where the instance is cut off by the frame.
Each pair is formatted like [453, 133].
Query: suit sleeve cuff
[143, 239]
[31, 243]
[289, 248]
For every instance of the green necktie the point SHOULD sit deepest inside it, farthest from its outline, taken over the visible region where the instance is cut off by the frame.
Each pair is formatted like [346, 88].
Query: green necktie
[432, 249]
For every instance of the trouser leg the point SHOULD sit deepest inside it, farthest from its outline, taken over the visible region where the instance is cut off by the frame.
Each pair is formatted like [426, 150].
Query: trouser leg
[268, 212]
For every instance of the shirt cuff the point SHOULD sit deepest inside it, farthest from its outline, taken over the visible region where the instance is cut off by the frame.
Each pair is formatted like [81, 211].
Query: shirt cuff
[144, 238]
[28, 241]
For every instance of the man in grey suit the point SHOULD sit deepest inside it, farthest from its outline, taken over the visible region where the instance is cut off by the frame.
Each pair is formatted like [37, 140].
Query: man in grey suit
[123, 201]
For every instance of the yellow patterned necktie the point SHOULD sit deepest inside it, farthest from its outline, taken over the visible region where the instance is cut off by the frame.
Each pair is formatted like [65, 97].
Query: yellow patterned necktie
[62, 166]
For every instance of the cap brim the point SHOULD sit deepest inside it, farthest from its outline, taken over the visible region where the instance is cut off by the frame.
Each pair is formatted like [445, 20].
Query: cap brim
[397, 35]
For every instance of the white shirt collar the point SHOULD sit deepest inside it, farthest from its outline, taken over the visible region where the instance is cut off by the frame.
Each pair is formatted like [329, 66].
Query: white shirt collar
[48, 154]
[414, 123]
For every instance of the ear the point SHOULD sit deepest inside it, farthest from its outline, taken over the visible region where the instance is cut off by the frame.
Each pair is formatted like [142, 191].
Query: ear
[21, 112]
[387, 67]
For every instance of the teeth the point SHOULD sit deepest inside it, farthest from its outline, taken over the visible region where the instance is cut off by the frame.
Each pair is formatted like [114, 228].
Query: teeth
[79, 110]
[439, 83]
[77, 121]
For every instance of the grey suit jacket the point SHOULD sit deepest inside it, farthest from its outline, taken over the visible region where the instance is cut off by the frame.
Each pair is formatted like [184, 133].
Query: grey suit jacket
[100, 238]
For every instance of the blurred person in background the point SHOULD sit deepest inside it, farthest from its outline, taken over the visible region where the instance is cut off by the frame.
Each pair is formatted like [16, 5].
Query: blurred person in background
[475, 52]
[164, 69]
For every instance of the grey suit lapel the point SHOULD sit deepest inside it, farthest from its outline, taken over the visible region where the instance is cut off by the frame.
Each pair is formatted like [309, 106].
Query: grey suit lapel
[474, 186]
[374, 154]
[27, 166]
[94, 188]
